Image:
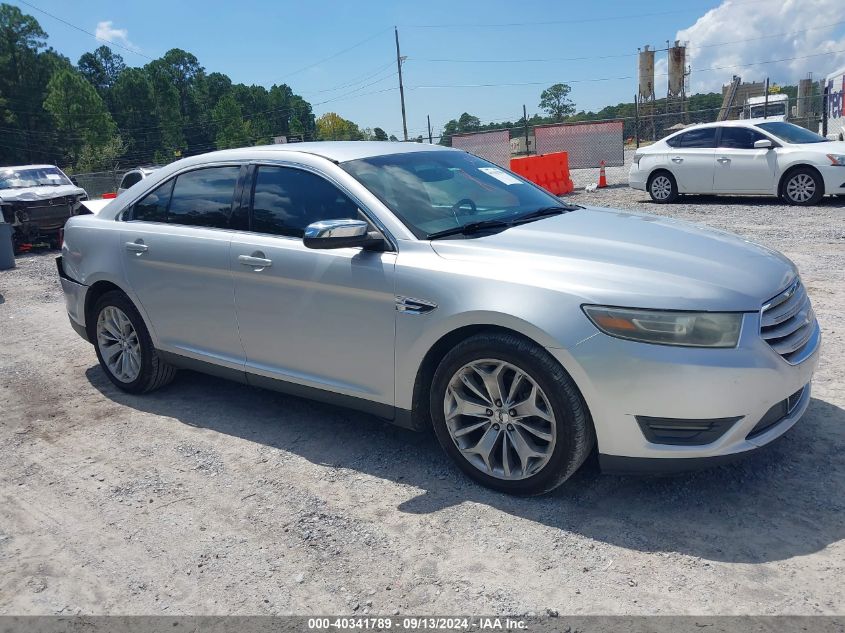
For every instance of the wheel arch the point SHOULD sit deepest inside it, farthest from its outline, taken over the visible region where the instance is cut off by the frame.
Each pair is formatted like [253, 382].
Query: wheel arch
[420, 410]
[93, 294]
[792, 168]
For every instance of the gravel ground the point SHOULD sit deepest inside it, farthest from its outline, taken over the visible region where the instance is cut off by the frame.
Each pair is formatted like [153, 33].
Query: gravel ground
[211, 497]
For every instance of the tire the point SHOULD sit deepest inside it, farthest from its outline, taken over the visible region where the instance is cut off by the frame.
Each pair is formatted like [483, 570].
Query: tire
[144, 369]
[662, 187]
[802, 187]
[566, 423]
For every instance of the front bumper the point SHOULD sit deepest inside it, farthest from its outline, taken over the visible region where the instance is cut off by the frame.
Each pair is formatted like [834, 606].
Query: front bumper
[74, 300]
[621, 380]
[834, 178]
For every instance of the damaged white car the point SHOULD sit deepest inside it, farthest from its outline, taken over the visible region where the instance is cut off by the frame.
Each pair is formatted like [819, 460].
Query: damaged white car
[37, 200]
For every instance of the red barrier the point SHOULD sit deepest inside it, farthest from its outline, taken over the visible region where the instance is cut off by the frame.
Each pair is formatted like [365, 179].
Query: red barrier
[550, 171]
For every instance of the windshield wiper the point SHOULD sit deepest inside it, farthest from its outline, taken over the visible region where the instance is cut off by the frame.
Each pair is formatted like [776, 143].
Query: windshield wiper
[543, 213]
[467, 229]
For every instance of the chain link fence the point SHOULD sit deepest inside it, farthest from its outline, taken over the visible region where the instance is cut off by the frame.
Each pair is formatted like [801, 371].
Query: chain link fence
[99, 182]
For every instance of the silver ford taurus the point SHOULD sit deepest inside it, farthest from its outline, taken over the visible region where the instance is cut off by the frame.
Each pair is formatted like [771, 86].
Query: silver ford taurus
[435, 289]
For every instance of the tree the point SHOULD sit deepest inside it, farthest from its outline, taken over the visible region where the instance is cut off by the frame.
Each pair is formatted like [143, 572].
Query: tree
[79, 114]
[332, 127]
[379, 134]
[555, 100]
[101, 68]
[232, 130]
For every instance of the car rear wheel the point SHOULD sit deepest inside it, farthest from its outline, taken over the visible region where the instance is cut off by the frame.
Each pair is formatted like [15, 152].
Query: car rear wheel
[124, 347]
[509, 415]
[662, 187]
[802, 187]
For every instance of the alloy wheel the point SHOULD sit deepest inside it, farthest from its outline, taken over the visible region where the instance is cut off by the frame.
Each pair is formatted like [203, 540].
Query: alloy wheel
[661, 187]
[118, 343]
[800, 188]
[500, 419]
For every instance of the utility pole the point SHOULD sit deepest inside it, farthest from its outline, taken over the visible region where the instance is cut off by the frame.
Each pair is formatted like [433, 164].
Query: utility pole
[525, 119]
[766, 101]
[401, 87]
[428, 119]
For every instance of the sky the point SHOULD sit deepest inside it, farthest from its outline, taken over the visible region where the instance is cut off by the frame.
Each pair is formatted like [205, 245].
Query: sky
[485, 57]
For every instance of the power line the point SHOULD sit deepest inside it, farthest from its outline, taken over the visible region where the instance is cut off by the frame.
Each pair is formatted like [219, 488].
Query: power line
[619, 55]
[465, 25]
[337, 54]
[598, 79]
[79, 28]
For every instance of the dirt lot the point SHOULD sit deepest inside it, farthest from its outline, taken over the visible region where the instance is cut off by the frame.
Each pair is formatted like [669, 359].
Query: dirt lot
[211, 497]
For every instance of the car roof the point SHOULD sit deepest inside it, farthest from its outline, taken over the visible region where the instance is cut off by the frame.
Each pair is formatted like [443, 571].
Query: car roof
[337, 151]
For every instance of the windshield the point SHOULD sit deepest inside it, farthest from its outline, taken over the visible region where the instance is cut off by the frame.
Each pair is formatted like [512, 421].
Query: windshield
[437, 191]
[20, 178]
[789, 133]
[773, 109]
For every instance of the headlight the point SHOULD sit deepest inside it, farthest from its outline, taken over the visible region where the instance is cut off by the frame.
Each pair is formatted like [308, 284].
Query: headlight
[837, 159]
[664, 327]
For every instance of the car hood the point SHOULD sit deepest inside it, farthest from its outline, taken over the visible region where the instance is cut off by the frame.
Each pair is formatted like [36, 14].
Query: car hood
[829, 147]
[30, 194]
[611, 257]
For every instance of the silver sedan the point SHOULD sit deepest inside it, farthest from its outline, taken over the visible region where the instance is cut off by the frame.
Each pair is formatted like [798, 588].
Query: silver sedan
[437, 290]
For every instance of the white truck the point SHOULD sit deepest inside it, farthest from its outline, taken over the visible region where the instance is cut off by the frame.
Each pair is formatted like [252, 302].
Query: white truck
[835, 84]
[775, 108]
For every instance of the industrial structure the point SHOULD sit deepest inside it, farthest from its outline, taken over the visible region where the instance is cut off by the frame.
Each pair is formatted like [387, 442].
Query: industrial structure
[676, 95]
[645, 92]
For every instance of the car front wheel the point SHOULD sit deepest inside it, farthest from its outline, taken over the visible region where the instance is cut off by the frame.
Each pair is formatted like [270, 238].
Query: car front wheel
[124, 347]
[803, 187]
[509, 415]
[662, 187]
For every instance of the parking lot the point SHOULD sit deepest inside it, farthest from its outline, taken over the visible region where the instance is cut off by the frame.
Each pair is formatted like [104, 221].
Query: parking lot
[212, 497]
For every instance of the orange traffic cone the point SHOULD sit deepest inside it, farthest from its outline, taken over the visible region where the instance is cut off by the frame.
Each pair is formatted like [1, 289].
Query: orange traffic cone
[602, 177]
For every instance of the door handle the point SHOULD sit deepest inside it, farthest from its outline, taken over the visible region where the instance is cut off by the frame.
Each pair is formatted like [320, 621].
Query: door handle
[256, 260]
[723, 160]
[137, 247]
[677, 159]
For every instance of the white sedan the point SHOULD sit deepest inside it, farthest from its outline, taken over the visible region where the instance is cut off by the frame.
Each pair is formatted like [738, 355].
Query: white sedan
[759, 156]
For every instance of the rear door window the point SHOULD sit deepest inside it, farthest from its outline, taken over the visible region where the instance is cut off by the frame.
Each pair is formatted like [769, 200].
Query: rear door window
[203, 197]
[701, 138]
[153, 206]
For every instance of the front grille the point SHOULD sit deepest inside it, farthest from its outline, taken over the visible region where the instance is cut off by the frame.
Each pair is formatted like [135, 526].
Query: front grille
[46, 214]
[787, 322]
[777, 413]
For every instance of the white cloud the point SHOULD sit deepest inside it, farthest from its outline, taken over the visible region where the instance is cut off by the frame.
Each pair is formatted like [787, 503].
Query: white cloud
[807, 28]
[106, 31]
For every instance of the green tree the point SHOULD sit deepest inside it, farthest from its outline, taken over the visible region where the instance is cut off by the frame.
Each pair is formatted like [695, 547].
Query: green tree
[101, 68]
[379, 134]
[79, 114]
[232, 130]
[333, 127]
[555, 100]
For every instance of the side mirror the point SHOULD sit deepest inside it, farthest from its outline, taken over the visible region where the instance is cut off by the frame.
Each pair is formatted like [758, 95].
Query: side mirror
[763, 143]
[340, 234]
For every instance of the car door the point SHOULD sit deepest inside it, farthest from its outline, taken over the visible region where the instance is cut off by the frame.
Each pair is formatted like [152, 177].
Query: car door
[739, 167]
[176, 254]
[690, 159]
[318, 318]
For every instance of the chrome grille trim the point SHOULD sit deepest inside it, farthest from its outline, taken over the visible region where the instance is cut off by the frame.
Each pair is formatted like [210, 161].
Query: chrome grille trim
[788, 324]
